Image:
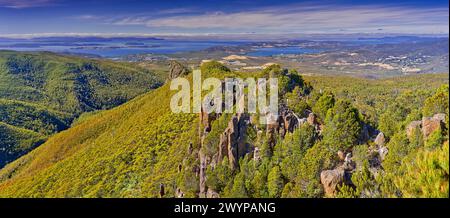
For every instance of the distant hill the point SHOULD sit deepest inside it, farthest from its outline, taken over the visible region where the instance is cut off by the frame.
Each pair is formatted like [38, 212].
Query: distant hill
[41, 93]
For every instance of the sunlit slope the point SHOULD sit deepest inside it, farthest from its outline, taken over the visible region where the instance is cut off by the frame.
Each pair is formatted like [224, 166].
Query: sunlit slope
[126, 151]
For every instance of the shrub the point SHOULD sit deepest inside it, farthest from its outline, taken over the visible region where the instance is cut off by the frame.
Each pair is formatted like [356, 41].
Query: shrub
[325, 102]
[342, 126]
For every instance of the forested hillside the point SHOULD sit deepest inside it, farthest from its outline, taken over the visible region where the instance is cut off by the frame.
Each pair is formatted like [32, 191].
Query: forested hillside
[336, 137]
[42, 93]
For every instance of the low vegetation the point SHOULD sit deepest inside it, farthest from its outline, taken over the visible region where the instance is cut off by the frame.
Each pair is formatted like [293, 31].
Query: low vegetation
[134, 149]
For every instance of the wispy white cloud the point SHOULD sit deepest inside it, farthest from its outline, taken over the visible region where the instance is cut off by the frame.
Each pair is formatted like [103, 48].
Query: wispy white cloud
[19, 4]
[301, 18]
[87, 17]
[132, 20]
[172, 11]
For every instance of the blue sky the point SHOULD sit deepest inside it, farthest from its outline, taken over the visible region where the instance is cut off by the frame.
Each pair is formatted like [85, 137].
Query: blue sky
[59, 17]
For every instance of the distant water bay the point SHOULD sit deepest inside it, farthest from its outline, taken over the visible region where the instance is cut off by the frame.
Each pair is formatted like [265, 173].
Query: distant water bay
[110, 48]
[117, 47]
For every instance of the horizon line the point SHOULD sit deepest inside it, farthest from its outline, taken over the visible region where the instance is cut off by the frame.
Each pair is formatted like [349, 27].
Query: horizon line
[137, 35]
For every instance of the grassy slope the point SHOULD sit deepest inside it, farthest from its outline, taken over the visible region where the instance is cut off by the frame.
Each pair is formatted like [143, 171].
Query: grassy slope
[43, 92]
[129, 150]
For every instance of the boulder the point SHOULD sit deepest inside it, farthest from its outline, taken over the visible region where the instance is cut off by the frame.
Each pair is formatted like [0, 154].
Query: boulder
[380, 140]
[179, 193]
[431, 124]
[330, 180]
[312, 119]
[348, 157]
[440, 117]
[341, 155]
[383, 151]
[349, 164]
[427, 125]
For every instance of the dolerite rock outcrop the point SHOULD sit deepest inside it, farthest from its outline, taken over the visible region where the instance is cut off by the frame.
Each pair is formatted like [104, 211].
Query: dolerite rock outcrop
[427, 125]
[380, 140]
[412, 127]
[331, 179]
[431, 124]
[176, 69]
[341, 175]
[285, 123]
[232, 144]
[206, 120]
[233, 140]
[290, 121]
